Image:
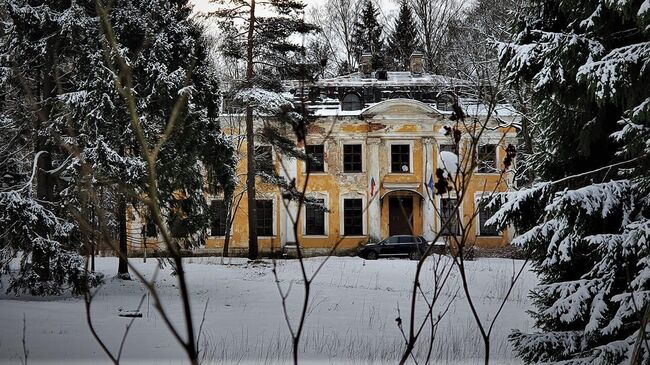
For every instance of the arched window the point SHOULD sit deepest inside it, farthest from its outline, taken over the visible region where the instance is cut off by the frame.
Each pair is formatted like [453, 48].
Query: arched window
[351, 101]
[445, 103]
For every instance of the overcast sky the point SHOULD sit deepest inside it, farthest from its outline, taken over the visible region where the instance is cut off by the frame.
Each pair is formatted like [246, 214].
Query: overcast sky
[388, 8]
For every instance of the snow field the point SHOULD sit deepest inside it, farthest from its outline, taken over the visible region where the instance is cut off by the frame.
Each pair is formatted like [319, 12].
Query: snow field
[351, 317]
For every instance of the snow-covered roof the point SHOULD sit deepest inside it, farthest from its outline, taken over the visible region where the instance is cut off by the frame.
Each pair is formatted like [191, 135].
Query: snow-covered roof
[393, 78]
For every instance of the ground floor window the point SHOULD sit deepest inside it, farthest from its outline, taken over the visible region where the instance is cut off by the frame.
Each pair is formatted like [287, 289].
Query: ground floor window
[315, 218]
[219, 218]
[264, 209]
[484, 214]
[449, 213]
[353, 217]
[150, 228]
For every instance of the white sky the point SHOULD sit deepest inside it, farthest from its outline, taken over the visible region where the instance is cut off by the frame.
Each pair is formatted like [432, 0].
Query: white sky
[388, 8]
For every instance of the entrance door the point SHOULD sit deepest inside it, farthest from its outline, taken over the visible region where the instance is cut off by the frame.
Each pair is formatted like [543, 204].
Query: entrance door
[400, 212]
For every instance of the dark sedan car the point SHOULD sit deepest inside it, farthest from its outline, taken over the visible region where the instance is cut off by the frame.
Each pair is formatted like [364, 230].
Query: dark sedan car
[403, 245]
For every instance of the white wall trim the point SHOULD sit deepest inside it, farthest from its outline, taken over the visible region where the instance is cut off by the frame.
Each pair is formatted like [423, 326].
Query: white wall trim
[389, 145]
[303, 216]
[364, 217]
[350, 140]
[274, 210]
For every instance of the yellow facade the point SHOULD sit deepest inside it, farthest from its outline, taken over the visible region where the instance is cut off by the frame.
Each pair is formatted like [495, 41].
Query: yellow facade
[377, 128]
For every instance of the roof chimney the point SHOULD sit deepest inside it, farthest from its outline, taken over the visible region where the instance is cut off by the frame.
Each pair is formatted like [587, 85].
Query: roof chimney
[365, 64]
[416, 66]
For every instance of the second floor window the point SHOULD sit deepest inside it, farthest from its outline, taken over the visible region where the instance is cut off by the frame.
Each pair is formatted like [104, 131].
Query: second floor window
[264, 209]
[400, 158]
[352, 158]
[316, 153]
[487, 158]
[264, 159]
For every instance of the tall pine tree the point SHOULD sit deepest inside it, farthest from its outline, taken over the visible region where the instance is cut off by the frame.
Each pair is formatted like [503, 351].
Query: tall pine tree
[404, 40]
[368, 35]
[587, 219]
[260, 37]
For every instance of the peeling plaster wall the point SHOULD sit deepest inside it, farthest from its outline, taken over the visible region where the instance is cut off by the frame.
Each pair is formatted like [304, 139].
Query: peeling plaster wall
[394, 124]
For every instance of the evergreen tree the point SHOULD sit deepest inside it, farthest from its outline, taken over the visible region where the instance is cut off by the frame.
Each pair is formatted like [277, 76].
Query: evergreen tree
[404, 39]
[367, 36]
[586, 221]
[264, 44]
[39, 49]
[84, 128]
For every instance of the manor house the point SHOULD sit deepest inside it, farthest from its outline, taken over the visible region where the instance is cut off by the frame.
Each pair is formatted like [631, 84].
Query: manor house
[379, 138]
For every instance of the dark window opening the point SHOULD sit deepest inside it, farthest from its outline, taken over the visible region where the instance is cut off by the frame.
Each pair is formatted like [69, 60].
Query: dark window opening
[487, 158]
[485, 214]
[351, 102]
[445, 103]
[353, 217]
[400, 158]
[264, 159]
[264, 209]
[219, 218]
[315, 218]
[352, 158]
[150, 229]
[449, 213]
[316, 153]
[179, 220]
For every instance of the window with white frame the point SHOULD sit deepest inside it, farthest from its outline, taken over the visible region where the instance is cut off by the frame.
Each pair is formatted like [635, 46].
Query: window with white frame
[264, 159]
[449, 216]
[315, 218]
[484, 213]
[316, 154]
[400, 158]
[352, 158]
[486, 158]
[353, 217]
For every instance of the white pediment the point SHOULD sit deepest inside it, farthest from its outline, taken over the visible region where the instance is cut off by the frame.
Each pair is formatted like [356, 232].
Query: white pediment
[400, 108]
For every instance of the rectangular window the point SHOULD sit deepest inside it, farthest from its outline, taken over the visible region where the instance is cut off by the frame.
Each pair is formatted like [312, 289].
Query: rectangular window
[400, 158]
[219, 218]
[353, 217]
[264, 159]
[264, 209]
[315, 218]
[487, 158]
[449, 213]
[150, 228]
[352, 158]
[316, 153]
[448, 148]
[483, 215]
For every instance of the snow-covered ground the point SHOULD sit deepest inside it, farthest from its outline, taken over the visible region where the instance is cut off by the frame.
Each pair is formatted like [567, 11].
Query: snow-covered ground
[351, 318]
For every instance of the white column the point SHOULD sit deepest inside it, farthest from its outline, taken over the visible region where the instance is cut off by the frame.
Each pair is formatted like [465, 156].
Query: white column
[374, 202]
[428, 211]
[288, 214]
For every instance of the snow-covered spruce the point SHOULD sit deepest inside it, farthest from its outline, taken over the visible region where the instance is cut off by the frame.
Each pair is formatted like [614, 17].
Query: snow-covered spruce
[586, 219]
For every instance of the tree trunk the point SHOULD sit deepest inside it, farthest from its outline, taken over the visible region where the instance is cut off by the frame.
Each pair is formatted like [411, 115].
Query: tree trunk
[44, 183]
[229, 221]
[123, 265]
[250, 142]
